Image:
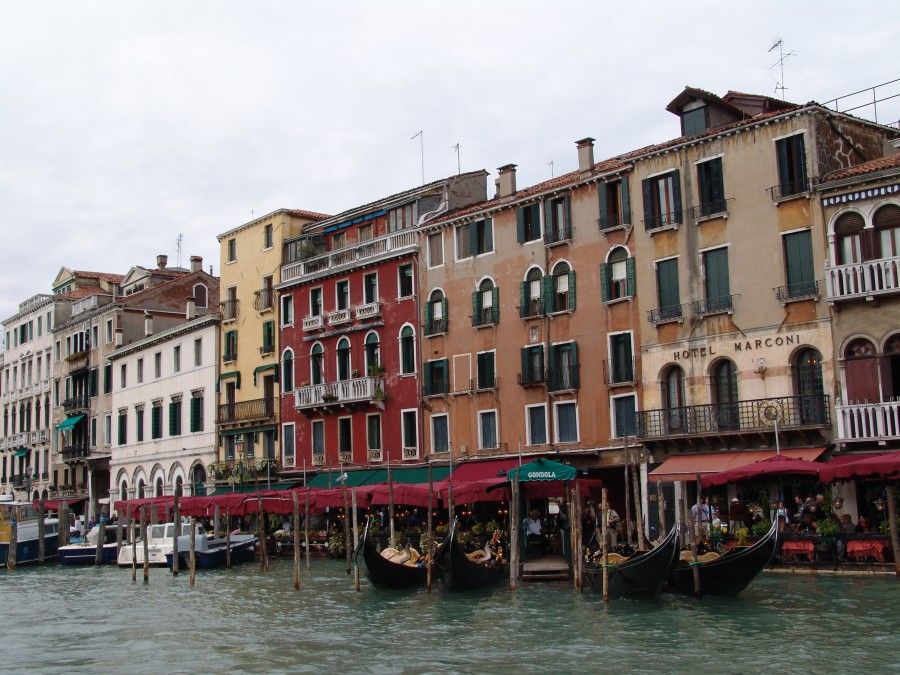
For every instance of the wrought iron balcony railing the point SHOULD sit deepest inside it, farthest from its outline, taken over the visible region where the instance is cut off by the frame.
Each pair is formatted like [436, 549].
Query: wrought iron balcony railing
[229, 309]
[486, 316]
[76, 403]
[533, 378]
[533, 307]
[790, 188]
[558, 234]
[611, 221]
[75, 452]
[562, 378]
[244, 411]
[619, 371]
[755, 415]
[265, 298]
[805, 290]
[719, 305]
[436, 326]
[656, 221]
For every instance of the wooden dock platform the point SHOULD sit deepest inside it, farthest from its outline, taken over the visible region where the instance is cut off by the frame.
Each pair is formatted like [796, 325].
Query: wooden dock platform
[546, 568]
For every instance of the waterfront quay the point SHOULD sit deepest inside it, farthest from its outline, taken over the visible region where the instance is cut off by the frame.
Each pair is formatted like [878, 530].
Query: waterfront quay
[94, 619]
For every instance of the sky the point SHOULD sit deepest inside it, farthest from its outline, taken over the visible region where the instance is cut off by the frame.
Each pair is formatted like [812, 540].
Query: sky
[124, 124]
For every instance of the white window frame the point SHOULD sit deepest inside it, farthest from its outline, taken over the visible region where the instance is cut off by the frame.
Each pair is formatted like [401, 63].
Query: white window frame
[321, 298]
[377, 287]
[529, 440]
[609, 350]
[446, 416]
[415, 361]
[415, 414]
[440, 236]
[380, 447]
[337, 358]
[312, 437]
[337, 283]
[344, 417]
[285, 433]
[556, 405]
[613, 431]
[287, 301]
[481, 413]
[400, 284]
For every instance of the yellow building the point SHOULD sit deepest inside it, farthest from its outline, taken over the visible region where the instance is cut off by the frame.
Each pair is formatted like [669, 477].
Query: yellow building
[247, 414]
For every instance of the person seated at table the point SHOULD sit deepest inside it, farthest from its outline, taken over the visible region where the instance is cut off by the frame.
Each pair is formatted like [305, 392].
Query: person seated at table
[800, 507]
[534, 531]
[862, 525]
[847, 526]
[808, 524]
[737, 514]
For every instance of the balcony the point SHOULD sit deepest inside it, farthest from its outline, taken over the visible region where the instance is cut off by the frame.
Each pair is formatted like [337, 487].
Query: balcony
[806, 290]
[789, 189]
[264, 299]
[229, 309]
[534, 307]
[345, 456]
[486, 316]
[863, 280]
[375, 455]
[435, 326]
[76, 404]
[723, 304]
[533, 378]
[868, 421]
[258, 409]
[614, 221]
[410, 453]
[343, 392]
[313, 322]
[558, 235]
[72, 453]
[382, 248]
[752, 417]
[338, 317]
[658, 221]
[20, 480]
[368, 311]
[318, 458]
[563, 378]
[718, 208]
[619, 372]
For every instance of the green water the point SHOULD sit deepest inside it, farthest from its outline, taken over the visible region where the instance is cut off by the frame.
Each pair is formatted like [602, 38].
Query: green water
[95, 620]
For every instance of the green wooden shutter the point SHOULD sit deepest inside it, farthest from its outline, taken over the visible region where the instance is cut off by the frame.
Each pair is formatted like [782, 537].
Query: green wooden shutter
[429, 386]
[172, 420]
[571, 289]
[489, 365]
[667, 283]
[195, 413]
[495, 303]
[427, 312]
[548, 220]
[799, 153]
[488, 235]
[650, 219]
[605, 291]
[630, 278]
[445, 371]
[568, 211]
[676, 195]
[122, 421]
[473, 238]
[520, 224]
[523, 299]
[798, 258]
[156, 421]
[784, 172]
[573, 348]
[625, 200]
[716, 184]
[604, 206]
[717, 285]
[547, 293]
[446, 318]
[524, 354]
[476, 309]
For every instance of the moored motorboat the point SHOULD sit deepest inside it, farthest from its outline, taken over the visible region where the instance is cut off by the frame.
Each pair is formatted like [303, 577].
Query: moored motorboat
[85, 553]
[212, 553]
[459, 573]
[159, 543]
[384, 573]
[639, 576]
[727, 574]
[26, 532]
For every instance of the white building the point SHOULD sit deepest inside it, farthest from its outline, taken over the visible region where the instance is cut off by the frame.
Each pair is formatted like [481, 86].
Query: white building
[163, 408]
[27, 397]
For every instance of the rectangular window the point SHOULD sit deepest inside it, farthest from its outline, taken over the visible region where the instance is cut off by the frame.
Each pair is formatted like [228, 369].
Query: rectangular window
[662, 200]
[463, 242]
[404, 217]
[140, 371]
[623, 416]
[694, 121]
[338, 241]
[364, 233]
[487, 429]
[175, 418]
[157, 365]
[318, 437]
[176, 359]
[621, 360]
[288, 449]
[437, 379]
[229, 443]
[798, 264]
[198, 352]
[95, 337]
[410, 423]
[156, 421]
[483, 233]
[268, 337]
[716, 283]
[345, 437]
[615, 203]
[440, 435]
[485, 370]
[123, 428]
[563, 367]
[250, 444]
[315, 301]
[405, 273]
[536, 421]
[566, 422]
[287, 310]
[230, 352]
[711, 186]
[93, 432]
[370, 288]
[435, 249]
[792, 177]
[342, 294]
[528, 223]
[267, 236]
[196, 413]
[109, 331]
[668, 294]
[107, 378]
[373, 433]
[123, 380]
[557, 220]
[139, 424]
[232, 250]
[532, 366]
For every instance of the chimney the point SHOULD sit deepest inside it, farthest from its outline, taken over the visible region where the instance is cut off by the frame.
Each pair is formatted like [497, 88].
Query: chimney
[120, 337]
[191, 310]
[196, 263]
[891, 147]
[585, 153]
[507, 182]
[161, 261]
[148, 323]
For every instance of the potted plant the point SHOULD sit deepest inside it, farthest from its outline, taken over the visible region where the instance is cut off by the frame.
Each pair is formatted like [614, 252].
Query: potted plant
[354, 372]
[884, 527]
[441, 530]
[219, 470]
[827, 529]
[741, 535]
[378, 395]
[760, 528]
[329, 398]
[336, 547]
[376, 369]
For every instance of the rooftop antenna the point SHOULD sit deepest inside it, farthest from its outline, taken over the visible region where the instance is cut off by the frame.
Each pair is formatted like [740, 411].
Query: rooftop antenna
[780, 63]
[458, 165]
[550, 164]
[178, 241]
[421, 137]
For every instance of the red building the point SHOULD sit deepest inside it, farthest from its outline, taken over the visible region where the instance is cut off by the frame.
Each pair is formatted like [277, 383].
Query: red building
[350, 333]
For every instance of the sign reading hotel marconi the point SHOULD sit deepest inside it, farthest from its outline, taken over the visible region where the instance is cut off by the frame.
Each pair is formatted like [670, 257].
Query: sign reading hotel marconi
[736, 346]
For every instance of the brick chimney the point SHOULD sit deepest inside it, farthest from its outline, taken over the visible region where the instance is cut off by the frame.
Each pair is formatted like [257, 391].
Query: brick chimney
[191, 309]
[585, 153]
[148, 323]
[161, 261]
[196, 263]
[507, 180]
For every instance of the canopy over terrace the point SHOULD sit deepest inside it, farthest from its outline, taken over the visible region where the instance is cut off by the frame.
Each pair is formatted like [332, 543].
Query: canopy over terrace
[688, 467]
[884, 466]
[776, 466]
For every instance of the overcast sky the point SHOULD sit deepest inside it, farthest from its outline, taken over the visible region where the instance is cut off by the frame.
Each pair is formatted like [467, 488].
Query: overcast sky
[123, 124]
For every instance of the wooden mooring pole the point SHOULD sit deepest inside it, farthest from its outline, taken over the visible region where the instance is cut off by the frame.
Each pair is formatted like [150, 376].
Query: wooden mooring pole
[296, 531]
[101, 537]
[355, 541]
[134, 539]
[306, 531]
[217, 522]
[264, 550]
[578, 553]
[176, 533]
[604, 519]
[429, 554]
[346, 527]
[192, 560]
[63, 524]
[892, 525]
[12, 552]
[119, 525]
[661, 507]
[514, 526]
[638, 505]
[629, 531]
[145, 545]
[42, 533]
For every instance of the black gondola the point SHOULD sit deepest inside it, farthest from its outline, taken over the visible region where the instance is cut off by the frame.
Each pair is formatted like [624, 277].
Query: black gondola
[729, 574]
[386, 574]
[458, 573]
[641, 576]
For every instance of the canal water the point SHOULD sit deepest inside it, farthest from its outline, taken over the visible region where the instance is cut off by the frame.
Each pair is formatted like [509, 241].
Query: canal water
[94, 620]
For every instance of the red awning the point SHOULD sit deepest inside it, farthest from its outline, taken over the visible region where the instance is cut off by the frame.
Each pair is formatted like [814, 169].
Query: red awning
[54, 504]
[403, 493]
[880, 467]
[686, 467]
[775, 466]
[484, 490]
[494, 468]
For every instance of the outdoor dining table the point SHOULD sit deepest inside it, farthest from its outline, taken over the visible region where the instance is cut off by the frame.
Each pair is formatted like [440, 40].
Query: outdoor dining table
[792, 548]
[864, 548]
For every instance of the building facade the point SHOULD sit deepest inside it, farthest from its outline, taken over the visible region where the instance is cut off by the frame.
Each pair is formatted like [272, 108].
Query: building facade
[351, 342]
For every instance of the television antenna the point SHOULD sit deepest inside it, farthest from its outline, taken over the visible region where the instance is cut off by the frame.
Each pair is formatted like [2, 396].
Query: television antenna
[458, 165]
[421, 136]
[550, 164]
[178, 241]
[779, 43]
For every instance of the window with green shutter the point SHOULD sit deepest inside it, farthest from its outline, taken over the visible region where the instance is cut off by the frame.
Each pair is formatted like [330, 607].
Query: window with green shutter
[617, 276]
[139, 425]
[791, 154]
[528, 223]
[174, 418]
[156, 422]
[486, 379]
[485, 304]
[196, 414]
[667, 291]
[563, 367]
[621, 361]
[436, 378]
[662, 200]
[435, 311]
[562, 289]
[711, 187]
[123, 428]
[107, 378]
[716, 282]
[268, 337]
[624, 408]
[557, 220]
[798, 263]
[531, 301]
[231, 341]
[615, 203]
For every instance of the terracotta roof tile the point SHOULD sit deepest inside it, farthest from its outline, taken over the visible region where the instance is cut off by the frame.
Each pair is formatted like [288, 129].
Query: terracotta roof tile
[100, 276]
[82, 292]
[311, 215]
[880, 164]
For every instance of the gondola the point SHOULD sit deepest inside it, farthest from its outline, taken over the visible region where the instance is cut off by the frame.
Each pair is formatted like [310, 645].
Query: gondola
[730, 573]
[386, 574]
[641, 576]
[458, 573]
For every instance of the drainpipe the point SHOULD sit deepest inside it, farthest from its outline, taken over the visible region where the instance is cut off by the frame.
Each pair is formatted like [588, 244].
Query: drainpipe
[547, 323]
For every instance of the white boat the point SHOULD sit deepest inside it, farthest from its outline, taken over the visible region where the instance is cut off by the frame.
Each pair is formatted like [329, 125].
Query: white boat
[85, 553]
[159, 543]
[26, 531]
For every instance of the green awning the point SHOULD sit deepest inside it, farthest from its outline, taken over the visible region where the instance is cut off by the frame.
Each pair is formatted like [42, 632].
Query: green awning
[408, 475]
[250, 430]
[544, 469]
[253, 487]
[21, 452]
[236, 374]
[262, 369]
[69, 422]
[330, 478]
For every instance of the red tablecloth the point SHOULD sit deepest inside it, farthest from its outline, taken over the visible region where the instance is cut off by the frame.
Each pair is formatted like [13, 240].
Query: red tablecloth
[792, 548]
[861, 548]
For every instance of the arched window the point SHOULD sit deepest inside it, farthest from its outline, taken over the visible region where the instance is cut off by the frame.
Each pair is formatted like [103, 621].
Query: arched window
[159, 487]
[201, 295]
[890, 382]
[563, 288]
[179, 486]
[373, 355]
[37, 413]
[287, 370]
[343, 359]
[198, 480]
[141, 489]
[616, 275]
[673, 387]
[861, 372]
[436, 313]
[725, 394]
[123, 491]
[848, 230]
[407, 351]
[485, 304]
[316, 376]
[530, 303]
[808, 385]
[887, 229]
